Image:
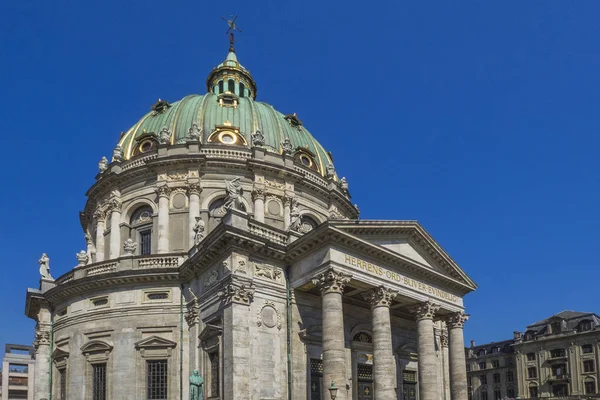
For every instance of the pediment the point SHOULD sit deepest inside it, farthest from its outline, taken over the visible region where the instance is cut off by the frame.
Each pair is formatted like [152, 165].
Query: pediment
[408, 240]
[96, 346]
[154, 342]
[59, 354]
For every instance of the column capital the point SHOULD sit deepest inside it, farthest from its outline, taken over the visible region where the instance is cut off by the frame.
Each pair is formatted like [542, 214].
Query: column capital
[444, 337]
[42, 338]
[457, 320]
[162, 190]
[380, 296]
[424, 310]
[233, 293]
[194, 188]
[114, 204]
[288, 199]
[258, 193]
[100, 215]
[331, 281]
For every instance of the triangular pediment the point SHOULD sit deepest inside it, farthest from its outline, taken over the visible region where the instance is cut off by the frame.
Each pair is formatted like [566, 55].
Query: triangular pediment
[409, 241]
[95, 346]
[154, 342]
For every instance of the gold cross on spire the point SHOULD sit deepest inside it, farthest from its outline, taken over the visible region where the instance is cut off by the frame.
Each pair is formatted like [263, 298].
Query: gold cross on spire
[232, 27]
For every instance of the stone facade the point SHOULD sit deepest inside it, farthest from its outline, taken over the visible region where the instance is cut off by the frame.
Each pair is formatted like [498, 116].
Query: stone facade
[227, 253]
[492, 371]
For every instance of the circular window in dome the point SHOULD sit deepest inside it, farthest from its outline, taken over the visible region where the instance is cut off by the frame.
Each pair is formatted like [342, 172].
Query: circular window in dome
[146, 146]
[227, 138]
[305, 160]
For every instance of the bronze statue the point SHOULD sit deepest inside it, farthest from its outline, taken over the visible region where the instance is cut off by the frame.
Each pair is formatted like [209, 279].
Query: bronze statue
[196, 383]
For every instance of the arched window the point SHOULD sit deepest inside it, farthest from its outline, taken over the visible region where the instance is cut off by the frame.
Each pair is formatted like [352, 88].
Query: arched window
[141, 229]
[362, 337]
[242, 89]
[590, 385]
[221, 90]
[231, 86]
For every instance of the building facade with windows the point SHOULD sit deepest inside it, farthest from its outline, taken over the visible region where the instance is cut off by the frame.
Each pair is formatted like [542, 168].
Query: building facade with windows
[558, 356]
[491, 371]
[221, 238]
[17, 372]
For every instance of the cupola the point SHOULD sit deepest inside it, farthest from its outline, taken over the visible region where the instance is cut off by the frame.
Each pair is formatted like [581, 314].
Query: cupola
[230, 77]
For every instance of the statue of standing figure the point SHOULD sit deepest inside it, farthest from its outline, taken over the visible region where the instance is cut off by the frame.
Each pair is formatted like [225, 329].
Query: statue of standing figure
[295, 218]
[198, 230]
[234, 194]
[44, 262]
[196, 383]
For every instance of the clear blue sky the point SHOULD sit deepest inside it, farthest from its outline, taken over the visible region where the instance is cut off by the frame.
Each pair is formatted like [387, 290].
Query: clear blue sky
[479, 119]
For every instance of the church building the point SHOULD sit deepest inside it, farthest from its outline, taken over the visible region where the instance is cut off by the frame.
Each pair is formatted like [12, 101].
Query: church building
[221, 238]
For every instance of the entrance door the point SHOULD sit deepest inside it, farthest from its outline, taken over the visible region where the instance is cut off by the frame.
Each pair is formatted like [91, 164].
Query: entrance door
[365, 382]
[316, 378]
[410, 391]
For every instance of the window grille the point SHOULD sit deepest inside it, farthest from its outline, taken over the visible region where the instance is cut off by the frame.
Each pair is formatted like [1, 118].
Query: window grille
[316, 366]
[214, 374]
[365, 371]
[100, 302]
[363, 337]
[409, 376]
[145, 242]
[63, 383]
[156, 379]
[158, 296]
[99, 382]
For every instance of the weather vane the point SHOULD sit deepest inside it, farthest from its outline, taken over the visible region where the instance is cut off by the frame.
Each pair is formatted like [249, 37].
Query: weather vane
[232, 28]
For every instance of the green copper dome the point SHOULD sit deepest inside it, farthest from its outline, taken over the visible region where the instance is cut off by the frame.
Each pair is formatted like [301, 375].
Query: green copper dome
[230, 106]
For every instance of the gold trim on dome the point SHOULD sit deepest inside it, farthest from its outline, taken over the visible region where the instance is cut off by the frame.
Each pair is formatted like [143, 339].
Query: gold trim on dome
[227, 134]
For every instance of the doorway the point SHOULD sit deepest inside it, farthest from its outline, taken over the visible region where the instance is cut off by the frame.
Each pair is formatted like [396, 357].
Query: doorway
[365, 382]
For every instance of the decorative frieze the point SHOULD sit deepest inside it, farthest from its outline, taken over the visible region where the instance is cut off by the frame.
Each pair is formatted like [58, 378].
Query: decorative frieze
[331, 281]
[211, 278]
[425, 310]
[234, 293]
[380, 296]
[275, 184]
[266, 271]
[457, 320]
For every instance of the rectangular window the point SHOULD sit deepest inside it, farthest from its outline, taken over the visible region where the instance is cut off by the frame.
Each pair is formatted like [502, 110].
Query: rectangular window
[469, 382]
[63, 383]
[590, 387]
[508, 361]
[588, 366]
[99, 382]
[495, 363]
[482, 365]
[510, 376]
[483, 379]
[214, 374]
[558, 370]
[496, 378]
[484, 395]
[556, 353]
[530, 356]
[587, 349]
[156, 379]
[497, 395]
[468, 367]
[510, 392]
[532, 372]
[145, 242]
[533, 392]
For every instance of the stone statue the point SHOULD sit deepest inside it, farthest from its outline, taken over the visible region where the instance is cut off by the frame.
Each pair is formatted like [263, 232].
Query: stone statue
[234, 194]
[44, 262]
[329, 171]
[164, 137]
[129, 246]
[82, 258]
[198, 230]
[194, 133]
[103, 164]
[258, 139]
[196, 383]
[286, 146]
[118, 154]
[344, 184]
[295, 218]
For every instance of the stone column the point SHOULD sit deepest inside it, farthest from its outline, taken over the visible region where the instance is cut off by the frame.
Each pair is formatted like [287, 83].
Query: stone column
[287, 210]
[384, 366]
[458, 366]
[115, 229]
[445, 366]
[194, 210]
[163, 192]
[42, 355]
[424, 313]
[100, 216]
[258, 196]
[331, 284]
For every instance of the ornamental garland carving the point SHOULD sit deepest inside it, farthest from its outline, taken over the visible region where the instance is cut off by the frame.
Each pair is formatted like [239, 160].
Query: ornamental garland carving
[233, 293]
[380, 296]
[241, 267]
[425, 310]
[177, 176]
[260, 320]
[192, 314]
[265, 271]
[275, 184]
[444, 338]
[457, 320]
[331, 281]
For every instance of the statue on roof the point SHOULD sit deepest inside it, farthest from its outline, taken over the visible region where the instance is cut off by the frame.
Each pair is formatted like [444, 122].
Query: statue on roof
[329, 171]
[258, 139]
[118, 153]
[164, 137]
[194, 133]
[103, 164]
[234, 194]
[44, 262]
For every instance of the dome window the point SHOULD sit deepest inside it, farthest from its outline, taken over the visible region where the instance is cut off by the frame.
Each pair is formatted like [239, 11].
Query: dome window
[160, 107]
[242, 89]
[228, 135]
[231, 86]
[306, 157]
[145, 143]
[293, 120]
[228, 99]
[221, 89]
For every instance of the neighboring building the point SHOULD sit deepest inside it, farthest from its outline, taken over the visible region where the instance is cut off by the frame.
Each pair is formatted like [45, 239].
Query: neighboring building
[559, 356]
[491, 371]
[17, 372]
[220, 238]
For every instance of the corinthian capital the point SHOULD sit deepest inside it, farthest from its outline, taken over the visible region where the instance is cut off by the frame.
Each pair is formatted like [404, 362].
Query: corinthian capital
[100, 214]
[457, 320]
[114, 204]
[163, 190]
[425, 310]
[380, 296]
[194, 188]
[331, 281]
[233, 293]
[258, 193]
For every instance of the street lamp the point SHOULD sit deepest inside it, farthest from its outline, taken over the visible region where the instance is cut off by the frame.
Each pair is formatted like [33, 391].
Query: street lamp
[333, 391]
